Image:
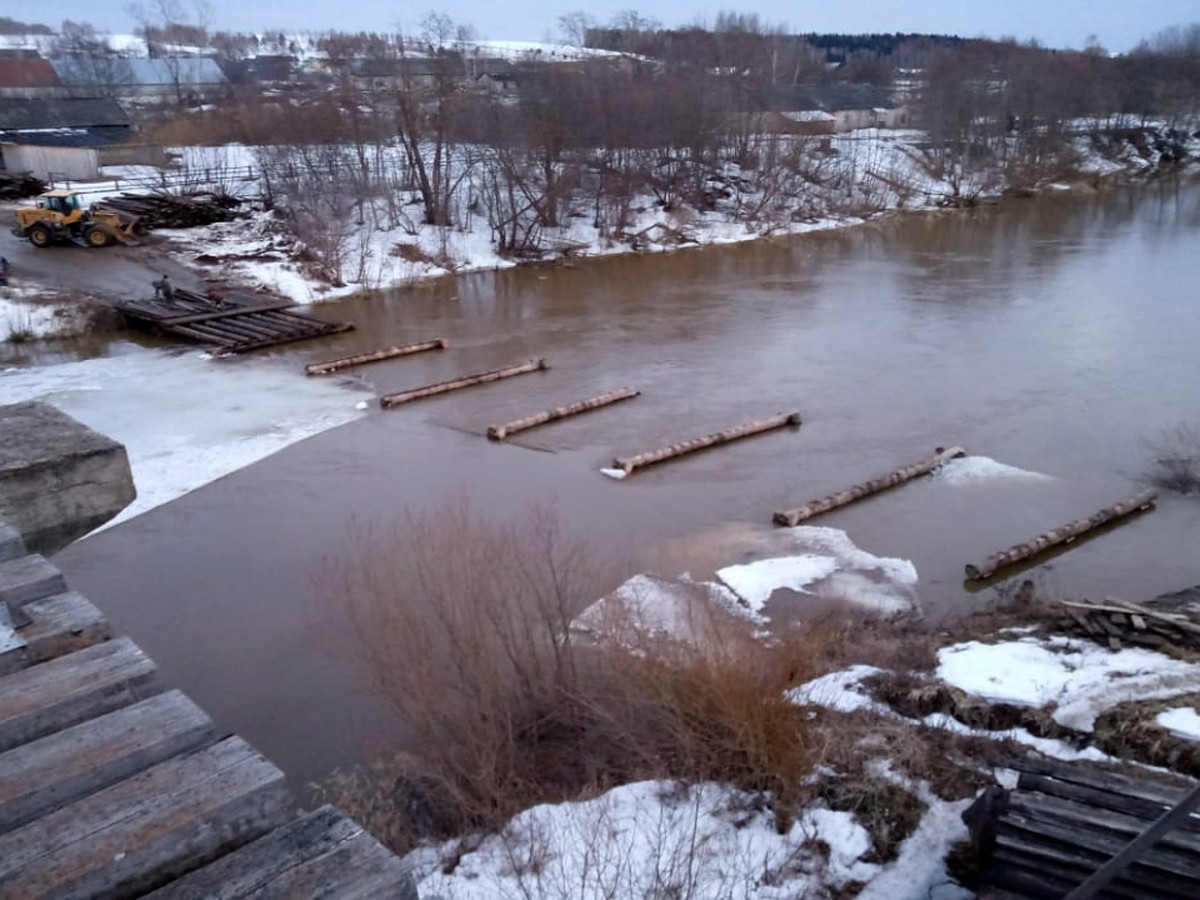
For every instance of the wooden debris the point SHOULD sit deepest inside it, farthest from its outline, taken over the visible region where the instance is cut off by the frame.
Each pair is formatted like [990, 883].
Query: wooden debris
[1129, 622]
[174, 210]
[334, 365]
[227, 326]
[444, 387]
[500, 432]
[793, 517]
[629, 463]
[1065, 821]
[1060, 535]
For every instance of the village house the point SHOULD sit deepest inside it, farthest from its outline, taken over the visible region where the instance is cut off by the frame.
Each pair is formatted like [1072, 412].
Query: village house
[25, 74]
[60, 137]
[826, 109]
[178, 79]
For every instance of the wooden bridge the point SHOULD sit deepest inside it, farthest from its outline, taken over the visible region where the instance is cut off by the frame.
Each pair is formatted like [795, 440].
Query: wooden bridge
[111, 786]
[229, 326]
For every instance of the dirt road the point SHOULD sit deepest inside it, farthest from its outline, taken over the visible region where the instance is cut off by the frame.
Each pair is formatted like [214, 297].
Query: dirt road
[108, 273]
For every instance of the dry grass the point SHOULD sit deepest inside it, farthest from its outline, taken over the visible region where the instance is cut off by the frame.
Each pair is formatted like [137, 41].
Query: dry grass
[464, 627]
[1130, 731]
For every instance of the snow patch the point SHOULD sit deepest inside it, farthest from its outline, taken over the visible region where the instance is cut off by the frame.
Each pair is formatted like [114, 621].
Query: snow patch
[1182, 722]
[618, 474]
[755, 582]
[969, 469]
[1082, 679]
[841, 691]
[655, 838]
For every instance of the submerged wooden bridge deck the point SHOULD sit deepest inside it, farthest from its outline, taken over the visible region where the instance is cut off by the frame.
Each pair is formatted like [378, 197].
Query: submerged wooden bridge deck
[112, 786]
[230, 326]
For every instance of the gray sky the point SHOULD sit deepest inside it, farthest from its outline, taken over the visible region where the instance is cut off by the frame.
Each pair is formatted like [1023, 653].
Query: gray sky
[1119, 24]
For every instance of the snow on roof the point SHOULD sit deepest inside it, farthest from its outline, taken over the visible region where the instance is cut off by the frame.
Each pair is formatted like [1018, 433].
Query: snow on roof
[809, 115]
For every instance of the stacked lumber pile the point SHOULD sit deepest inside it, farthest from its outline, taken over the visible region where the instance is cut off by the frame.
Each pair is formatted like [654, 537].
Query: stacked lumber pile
[1115, 623]
[174, 211]
[1066, 820]
[15, 185]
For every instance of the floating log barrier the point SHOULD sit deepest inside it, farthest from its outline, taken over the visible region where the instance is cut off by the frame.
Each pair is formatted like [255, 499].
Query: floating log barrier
[1060, 535]
[642, 460]
[334, 365]
[500, 432]
[444, 387]
[793, 517]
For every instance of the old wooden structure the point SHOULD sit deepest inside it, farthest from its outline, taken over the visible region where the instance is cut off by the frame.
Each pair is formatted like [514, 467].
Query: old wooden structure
[500, 432]
[1067, 827]
[1116, 623]
[112, 786]
[793, 517]
[361, 359]
[466, 381]
[629, 463]
[1061, 535]
[228, 326]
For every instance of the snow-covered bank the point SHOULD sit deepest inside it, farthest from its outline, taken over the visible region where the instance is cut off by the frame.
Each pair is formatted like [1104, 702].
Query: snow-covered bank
[843, 180]
[185, 419]
[26, 313]
[659, 839]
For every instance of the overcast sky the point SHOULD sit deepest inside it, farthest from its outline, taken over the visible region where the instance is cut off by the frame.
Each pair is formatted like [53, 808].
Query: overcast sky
[1118, 24]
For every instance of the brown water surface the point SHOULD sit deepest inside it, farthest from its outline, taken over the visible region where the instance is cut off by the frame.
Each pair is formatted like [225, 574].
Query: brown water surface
[1057, 335]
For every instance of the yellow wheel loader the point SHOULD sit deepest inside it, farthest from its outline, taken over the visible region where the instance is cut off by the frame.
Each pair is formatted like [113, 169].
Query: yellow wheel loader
[60, 216]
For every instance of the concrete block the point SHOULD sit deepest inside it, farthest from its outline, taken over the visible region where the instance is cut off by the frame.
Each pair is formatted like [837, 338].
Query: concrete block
[59, 479]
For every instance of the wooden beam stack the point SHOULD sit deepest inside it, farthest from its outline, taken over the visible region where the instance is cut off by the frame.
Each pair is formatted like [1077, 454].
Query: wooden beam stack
[1115, 623]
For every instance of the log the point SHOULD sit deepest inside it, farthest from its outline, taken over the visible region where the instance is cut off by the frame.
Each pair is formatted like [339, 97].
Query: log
[500, 432]
[628, 464]
[444, 387]
[333, 365]
[793, 517]
[1060, 535]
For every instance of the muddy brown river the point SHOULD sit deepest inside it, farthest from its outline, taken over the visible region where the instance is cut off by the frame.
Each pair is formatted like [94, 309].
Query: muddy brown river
[1058, 335]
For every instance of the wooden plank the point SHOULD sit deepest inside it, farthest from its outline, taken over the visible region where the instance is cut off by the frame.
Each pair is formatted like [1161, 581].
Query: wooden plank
[1067, 867]
[1106, 836]
[1037, 879]
[301, 859]
[28, 578]
[1146, 810]
[44, 775]
[11, 545]
[55, 695]
[223, 314]
[1140, 846]
[62, 624]
[287, 339]
[1157, 787]
[140, 833]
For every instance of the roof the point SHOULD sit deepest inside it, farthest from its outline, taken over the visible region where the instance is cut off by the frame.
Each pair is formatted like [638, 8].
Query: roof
[66, 137]
[58, 193]
[26, 71]
[411, 66]
[826, 98]
[18, 115]
[77, 72]
[259, 69]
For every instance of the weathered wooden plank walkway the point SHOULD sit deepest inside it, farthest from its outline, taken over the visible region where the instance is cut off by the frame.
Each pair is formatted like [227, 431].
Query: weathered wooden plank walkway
[230, 326]
[1064, 821]
[112, 787]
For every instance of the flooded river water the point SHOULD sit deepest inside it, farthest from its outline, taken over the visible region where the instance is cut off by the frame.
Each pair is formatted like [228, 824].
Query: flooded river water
[1058, 335]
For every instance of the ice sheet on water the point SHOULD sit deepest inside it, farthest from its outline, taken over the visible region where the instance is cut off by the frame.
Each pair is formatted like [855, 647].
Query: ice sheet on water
[971, 469]
[185, 420]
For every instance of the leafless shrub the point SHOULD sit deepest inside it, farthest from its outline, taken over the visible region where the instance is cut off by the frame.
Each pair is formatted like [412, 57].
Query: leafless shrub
[464, 629]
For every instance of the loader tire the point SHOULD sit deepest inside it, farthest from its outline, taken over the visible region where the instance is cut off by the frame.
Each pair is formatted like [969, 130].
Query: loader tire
[40, 236]
[97, 237]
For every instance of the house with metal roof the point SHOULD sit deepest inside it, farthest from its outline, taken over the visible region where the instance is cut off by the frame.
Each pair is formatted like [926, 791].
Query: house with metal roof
[166, 78]
[828, 108]
[23, 73]
[56, 136]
